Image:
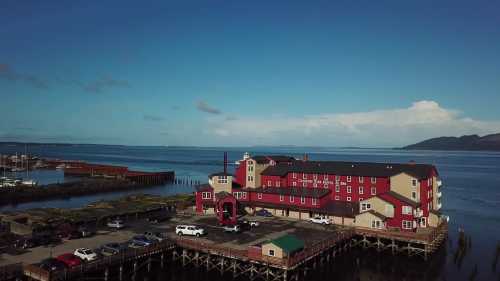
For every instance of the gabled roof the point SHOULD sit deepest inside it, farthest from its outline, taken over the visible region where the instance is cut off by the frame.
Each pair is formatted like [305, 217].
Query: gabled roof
[203, 187]
[289, 243]
[220, 174]
[377, 214]
[265, 159]
[399, 197]
[294, 191]
[419, 171]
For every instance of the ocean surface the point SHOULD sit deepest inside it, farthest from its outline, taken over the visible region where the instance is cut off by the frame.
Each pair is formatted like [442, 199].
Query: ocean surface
[471, 197]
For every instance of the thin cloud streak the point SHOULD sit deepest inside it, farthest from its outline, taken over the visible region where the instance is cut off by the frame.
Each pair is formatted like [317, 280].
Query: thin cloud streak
[204, 107]
[8, 73]
[105, 83]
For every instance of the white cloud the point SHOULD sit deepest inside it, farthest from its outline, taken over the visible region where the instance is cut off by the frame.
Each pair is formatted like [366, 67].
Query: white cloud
[391, 127]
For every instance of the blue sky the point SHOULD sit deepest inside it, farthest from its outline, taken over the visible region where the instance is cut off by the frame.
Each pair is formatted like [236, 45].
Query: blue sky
[215, 73]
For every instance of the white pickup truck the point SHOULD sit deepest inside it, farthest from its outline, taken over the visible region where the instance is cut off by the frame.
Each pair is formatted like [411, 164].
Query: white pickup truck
[320, 220]
[189, 230]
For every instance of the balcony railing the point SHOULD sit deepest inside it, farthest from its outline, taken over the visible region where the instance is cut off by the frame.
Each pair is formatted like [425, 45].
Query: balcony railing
[439, 183]
[439, 206]
[439, 194]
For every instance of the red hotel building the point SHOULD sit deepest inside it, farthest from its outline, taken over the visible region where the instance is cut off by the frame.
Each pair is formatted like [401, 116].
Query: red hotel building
[373, 195]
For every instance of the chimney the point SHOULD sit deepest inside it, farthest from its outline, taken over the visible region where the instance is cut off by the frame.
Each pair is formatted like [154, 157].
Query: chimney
[225, 163]
[305, 157]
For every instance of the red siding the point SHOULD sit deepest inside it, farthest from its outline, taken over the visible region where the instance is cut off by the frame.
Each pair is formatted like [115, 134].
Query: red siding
[241, 173]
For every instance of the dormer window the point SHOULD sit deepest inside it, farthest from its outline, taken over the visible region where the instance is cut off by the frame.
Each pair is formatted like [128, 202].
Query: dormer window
[222, 179]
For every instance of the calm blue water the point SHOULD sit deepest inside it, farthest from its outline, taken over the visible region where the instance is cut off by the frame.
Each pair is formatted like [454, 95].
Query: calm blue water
[471, 191]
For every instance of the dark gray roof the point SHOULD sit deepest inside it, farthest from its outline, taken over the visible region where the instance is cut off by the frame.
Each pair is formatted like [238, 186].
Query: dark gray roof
[203, 187]
[220, 174]
[399, 197]
[295, 191]
[377, 214]
[341, 209]
[420, 171]
[265, 159]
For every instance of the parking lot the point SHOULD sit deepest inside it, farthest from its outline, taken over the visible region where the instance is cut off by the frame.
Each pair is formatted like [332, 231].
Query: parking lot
[269, 228]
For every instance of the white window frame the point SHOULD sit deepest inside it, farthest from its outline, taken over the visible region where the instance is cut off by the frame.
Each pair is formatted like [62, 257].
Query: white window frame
[259, 195]
[304, 176]
[337, 188]
[414, 182]
[302, 200]
[373, 180]
[271, 253]
[349, 189]
[349, 178]
[406, 224]
[282, 197]
[244, 194]
[366, 206]
[414, 195]
[292, 198]
[278, 183]
[373, 190]
[304, 184]
[294, 183]
[348, 198]
[337, 197]
[315, 176]
[294, 175]
[361, 190]
[406, 210]
[360, 179]
[314, 201]
[269, 183]
[206, 195]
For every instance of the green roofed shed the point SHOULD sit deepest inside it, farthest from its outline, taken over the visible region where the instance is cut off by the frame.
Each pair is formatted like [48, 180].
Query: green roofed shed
[283, 246]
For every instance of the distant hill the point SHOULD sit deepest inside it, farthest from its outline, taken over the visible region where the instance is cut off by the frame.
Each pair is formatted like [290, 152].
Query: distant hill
[471, 142]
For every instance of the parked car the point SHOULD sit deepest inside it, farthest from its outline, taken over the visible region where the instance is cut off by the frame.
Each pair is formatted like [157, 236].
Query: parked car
[189, 230]
[320, 220]
[86, 231]
[250, 223]
[52, 264]
[75, 235]
[263, 213]
[70, 260]
[111, 249]
[85, 254]
[136, 244]
[158, 218]
[155, 236]
[142, 239]
[232, 228]
[118, 224]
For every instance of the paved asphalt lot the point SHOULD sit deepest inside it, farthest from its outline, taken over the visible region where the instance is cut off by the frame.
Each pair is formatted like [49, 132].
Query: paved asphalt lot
[269, 228]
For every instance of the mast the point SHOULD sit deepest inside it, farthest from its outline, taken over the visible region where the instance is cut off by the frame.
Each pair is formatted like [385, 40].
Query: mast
[27, 160]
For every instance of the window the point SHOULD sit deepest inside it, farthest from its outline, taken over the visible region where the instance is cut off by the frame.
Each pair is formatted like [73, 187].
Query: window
[304, 176]
[315, 176]
[366, 206]
[337, 178]
[348, 178]
[325, 176]
[349, 198]
[314, 201]
[413, 182]
[348, 189]
[373, 179]
[304, 184]
[282, 197]
[376, 224]
[269, 183]
[361, 190]
[406, 210]
[407, 225]
[361, 199]
[337, 197]
[244, 195]
[206, 195]
[360, 179]
[222, 179]
[413, 195]
[315, 184]
[325, 185]
[302, 200]
[250, 178]
[278, 183]
[292, 198]
[294, 183]
[259, 195]
[374, 190]
[271, 253]
[337, 188]
[294, 175]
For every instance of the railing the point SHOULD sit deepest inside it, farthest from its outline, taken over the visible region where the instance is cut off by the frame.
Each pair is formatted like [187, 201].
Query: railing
[210, 248]
[424, 237]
